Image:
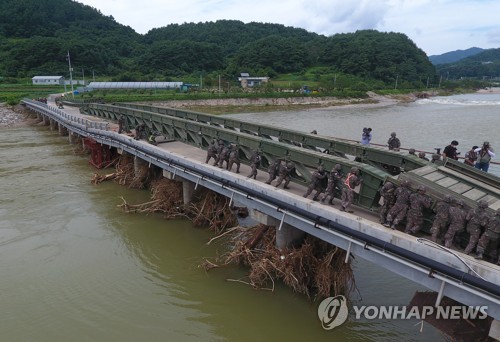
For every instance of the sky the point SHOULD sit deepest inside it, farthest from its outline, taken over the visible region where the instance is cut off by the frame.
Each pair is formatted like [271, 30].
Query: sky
[435, 26]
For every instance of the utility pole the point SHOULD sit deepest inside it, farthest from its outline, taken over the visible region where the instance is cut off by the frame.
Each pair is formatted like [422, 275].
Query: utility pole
[71, 75]
[396, 86]
[83, 76]
[219, 84]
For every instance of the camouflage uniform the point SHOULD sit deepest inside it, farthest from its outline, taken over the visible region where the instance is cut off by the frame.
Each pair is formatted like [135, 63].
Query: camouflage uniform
[387, 192]
[140, 131]
[352, 180]
[458, 219]
[254, 164]
[418, 202]
[393, 142]
[421, 155]
[316, 183]
[273, 170]
[121, 123]
[333, 180]
[284, 174]
[442, 217]
[490, 237]
[211, 151]
[477, 218]
[234, 159]
[398, 211]
[220, 147]
[223, 157]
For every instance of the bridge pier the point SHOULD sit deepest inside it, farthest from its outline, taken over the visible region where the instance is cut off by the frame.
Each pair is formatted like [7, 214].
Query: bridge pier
[187, 186]
[72, 137]
[286, 235]
[62, 130]
[138, 164]
[39, 116]
[46, 120]
[53, 124]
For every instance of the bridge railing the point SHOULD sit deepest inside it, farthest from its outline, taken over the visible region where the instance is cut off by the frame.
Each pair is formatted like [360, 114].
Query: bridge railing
[377, 156]
[200, 134]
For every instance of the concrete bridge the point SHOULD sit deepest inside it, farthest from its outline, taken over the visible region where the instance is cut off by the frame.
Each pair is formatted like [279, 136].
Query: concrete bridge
[448, 272]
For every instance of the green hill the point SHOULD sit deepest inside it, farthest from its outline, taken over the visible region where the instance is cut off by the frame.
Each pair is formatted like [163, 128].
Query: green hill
[484, 65]
[35, 37]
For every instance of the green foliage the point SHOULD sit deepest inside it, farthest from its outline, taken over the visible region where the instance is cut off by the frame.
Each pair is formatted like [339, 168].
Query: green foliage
[484, 65]
[35, 37]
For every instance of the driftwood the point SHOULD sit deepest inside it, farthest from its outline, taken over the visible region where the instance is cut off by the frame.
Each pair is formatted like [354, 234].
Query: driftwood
[316, 268]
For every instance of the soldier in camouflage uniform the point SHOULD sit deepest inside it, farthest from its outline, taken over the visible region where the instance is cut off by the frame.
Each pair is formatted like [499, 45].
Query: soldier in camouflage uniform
[387, 191]
[398, 212]
[254, 164]
[458, 220]
[284, 174]
[477, 219]
[333, 180]
[490, 238]
[442, 217]
[351, 181]
[394, 143]
[415, 217]
[234, 158]
[316, 183]
[220, 147]
[211, 151]
[223, 157]
[421, 155]
[412, 151]
[273, 170]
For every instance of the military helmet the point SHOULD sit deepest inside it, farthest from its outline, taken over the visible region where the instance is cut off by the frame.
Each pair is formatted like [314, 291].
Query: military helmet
[393, 134]
[421, 188]
[436, 156]
[421, 154]
[321, 168]
[447, 198]
[460, 203]
[482, 204]
[221, 142]
[411, 151]
[388, 185]
[354, 169]
[338, 167]
[289, 164]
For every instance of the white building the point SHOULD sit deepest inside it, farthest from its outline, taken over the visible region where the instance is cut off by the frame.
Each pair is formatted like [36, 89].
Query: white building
[247, 81]
[48, 80]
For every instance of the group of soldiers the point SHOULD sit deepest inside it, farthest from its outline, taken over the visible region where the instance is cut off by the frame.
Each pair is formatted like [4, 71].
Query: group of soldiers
[451, 218]
[221, 153]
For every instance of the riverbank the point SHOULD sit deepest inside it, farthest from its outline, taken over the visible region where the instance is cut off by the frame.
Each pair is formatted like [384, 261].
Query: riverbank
[252, 105]
[12, 116]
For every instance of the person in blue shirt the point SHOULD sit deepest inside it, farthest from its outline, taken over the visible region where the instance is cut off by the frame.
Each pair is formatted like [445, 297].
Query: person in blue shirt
[366, 137]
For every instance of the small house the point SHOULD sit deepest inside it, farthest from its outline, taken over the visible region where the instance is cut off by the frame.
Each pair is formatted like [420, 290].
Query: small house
[48, 80]
[248, 81]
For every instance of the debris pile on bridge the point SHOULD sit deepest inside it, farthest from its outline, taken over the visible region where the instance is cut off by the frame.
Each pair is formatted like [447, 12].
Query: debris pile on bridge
[316, 268]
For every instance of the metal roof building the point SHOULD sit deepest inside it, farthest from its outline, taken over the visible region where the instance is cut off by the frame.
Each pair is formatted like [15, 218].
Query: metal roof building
[134, 85]
[51, 80]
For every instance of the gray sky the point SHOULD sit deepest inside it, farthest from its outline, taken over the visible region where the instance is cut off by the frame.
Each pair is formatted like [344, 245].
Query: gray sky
[435, 26]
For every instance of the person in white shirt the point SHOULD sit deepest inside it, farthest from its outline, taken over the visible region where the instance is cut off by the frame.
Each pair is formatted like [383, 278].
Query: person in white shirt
[484, 155]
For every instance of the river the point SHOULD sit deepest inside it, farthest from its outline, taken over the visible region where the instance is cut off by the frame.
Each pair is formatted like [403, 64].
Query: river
[75, 267]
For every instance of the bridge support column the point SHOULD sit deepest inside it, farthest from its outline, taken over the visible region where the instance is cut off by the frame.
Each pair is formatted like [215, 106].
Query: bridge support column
[46, 120]
[72, 137]
[187, 191]
[62, 130]
[39, 117]
[53, 124]
[286, 235]
[138, 164]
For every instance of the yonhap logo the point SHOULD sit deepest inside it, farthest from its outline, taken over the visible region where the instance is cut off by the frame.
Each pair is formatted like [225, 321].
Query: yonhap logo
[332, 312]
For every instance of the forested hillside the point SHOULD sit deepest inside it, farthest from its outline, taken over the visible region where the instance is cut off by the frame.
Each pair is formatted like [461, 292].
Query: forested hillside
[35, 37]
[484, 65]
